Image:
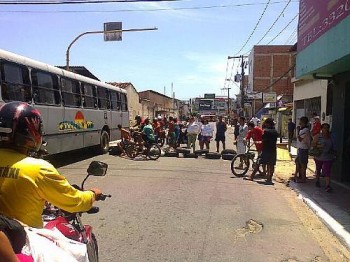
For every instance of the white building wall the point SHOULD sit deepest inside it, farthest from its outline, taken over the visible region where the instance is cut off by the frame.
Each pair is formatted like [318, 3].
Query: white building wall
[306, 89]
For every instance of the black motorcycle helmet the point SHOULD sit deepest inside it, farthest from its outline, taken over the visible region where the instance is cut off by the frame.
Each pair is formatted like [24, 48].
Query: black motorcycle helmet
[20, 126]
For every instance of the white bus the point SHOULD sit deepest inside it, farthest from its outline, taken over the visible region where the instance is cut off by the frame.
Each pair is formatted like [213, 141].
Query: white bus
[77, 111]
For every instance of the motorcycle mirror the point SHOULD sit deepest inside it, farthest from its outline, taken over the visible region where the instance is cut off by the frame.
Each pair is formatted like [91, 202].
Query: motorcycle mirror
[97, 168]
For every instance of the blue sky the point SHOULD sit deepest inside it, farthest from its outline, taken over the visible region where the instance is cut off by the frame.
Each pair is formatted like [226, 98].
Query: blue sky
[189, 49]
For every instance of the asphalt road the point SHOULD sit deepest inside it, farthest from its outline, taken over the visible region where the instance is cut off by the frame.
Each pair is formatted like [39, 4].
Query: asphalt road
[177, 209]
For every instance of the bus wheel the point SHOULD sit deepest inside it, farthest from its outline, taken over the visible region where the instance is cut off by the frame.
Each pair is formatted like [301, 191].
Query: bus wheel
[104, 142]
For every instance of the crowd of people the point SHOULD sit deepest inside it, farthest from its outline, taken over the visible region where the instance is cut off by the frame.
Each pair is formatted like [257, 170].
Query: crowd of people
[313, 139]
[26, 183]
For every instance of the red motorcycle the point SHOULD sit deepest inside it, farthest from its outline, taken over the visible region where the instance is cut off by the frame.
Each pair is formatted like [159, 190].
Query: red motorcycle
[70, 224]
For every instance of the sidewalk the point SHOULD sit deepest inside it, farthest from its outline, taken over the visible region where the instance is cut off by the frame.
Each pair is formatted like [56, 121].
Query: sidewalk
[332, 208]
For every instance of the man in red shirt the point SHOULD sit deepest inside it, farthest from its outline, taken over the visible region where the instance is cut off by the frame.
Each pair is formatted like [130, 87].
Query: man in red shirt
[255, 133]
[316, 126]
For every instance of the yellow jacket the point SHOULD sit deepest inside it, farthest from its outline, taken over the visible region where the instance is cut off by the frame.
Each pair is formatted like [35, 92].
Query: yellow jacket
[26, 183]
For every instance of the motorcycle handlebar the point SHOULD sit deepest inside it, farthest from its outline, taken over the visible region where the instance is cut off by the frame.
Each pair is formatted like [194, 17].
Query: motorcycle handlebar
[102, 197]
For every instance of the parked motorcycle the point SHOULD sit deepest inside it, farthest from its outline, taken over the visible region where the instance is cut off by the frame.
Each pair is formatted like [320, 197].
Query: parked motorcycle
[70, 224]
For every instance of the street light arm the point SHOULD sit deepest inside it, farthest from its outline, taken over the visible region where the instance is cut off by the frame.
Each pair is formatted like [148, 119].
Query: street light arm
[101, 32]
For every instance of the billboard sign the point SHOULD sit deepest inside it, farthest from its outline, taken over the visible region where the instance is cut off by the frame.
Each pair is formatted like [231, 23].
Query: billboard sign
[113, 36]
[209, 96]
[205, 104]
[316, 17]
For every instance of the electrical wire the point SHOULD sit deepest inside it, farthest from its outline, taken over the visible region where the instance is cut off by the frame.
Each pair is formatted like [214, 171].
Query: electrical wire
[292, 36]
[291, 21]
[123, 10]
[40, 2]
[255, 27]
[273, 24]
[277, 80]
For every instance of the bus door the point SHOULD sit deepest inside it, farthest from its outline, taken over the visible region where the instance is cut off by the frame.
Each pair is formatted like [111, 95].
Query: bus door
[116, 114]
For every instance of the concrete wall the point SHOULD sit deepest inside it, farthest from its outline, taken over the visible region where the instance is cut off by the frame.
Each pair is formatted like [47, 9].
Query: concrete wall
[133, 103]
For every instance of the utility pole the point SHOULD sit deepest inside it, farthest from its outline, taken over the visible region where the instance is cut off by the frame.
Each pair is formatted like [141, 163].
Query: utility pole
[242, 91]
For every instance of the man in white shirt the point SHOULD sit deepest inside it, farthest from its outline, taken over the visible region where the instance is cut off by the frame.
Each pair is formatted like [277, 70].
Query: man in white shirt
[255, 120]
[303, 145]
[243, 131]
[193, 129]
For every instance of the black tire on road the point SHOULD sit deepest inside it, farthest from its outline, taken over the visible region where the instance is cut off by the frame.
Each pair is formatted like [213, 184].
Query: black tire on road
[183, 150]
[213, 155]
[240, 165]
[190, 155]
[227, 156]
[104, 142]
[228, 151]
[154, 151]
[171, 154]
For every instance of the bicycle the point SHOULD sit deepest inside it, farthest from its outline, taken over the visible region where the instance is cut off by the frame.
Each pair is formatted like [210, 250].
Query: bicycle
[146, 149]
[241, 162]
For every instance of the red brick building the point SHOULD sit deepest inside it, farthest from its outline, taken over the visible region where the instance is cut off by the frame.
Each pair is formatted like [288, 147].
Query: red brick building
[270, 70]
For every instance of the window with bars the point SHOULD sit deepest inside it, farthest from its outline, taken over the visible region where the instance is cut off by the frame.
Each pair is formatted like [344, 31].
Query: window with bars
[70, 90]
[103, 98]
[124, 102]
[15, 83]
[89, 96]
[45, 88]
[115, 100]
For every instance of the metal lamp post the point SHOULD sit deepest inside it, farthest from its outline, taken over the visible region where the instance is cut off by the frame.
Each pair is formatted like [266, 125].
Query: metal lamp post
[101, 32]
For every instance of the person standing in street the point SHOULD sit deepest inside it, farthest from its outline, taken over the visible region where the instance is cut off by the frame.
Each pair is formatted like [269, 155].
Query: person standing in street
[221, 128]
[255, 120]
[303, 144]
[268, 155]
[193, 129]
[291, 131]
[325, 159]
[206, 135]
[243, 131]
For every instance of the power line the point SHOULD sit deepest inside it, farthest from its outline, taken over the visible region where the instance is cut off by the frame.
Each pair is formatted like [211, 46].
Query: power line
[273, 24]
[123, 10]
[292, 36]
[277, 80]
[59, 2]
[256, 25]
[291, 21]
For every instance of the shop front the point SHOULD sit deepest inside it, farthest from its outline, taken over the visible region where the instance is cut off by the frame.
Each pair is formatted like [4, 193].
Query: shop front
[324, 54]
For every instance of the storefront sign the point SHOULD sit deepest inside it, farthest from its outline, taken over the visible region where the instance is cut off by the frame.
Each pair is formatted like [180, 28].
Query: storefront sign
[205, 104]
[316, 17]
[209, 96]
[269, 97]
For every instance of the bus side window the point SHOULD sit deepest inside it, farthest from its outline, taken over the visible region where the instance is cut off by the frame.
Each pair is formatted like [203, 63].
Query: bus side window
[15, 83]
[103, 98]
[89, 96]
[115, 100]
[124, 102]
[45, 88]
[70, 90]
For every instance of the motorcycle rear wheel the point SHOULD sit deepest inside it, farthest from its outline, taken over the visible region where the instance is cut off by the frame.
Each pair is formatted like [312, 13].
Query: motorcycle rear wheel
[92, 249]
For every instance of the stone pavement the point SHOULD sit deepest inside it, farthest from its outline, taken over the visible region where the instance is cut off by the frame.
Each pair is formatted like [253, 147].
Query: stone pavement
[332, 208]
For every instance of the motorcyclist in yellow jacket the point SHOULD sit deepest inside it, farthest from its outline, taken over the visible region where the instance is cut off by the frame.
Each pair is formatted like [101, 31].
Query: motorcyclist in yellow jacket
[26, 182]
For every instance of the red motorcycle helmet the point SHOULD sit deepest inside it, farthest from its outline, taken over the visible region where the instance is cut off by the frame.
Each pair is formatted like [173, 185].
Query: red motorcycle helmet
[20, 126]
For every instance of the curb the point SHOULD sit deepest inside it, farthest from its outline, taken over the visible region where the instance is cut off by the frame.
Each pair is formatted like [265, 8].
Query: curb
[333, 225]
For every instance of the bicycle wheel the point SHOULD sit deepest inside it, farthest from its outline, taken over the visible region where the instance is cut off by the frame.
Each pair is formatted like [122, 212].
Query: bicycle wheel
[240, 165]
[131, 150]
[154, 151]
